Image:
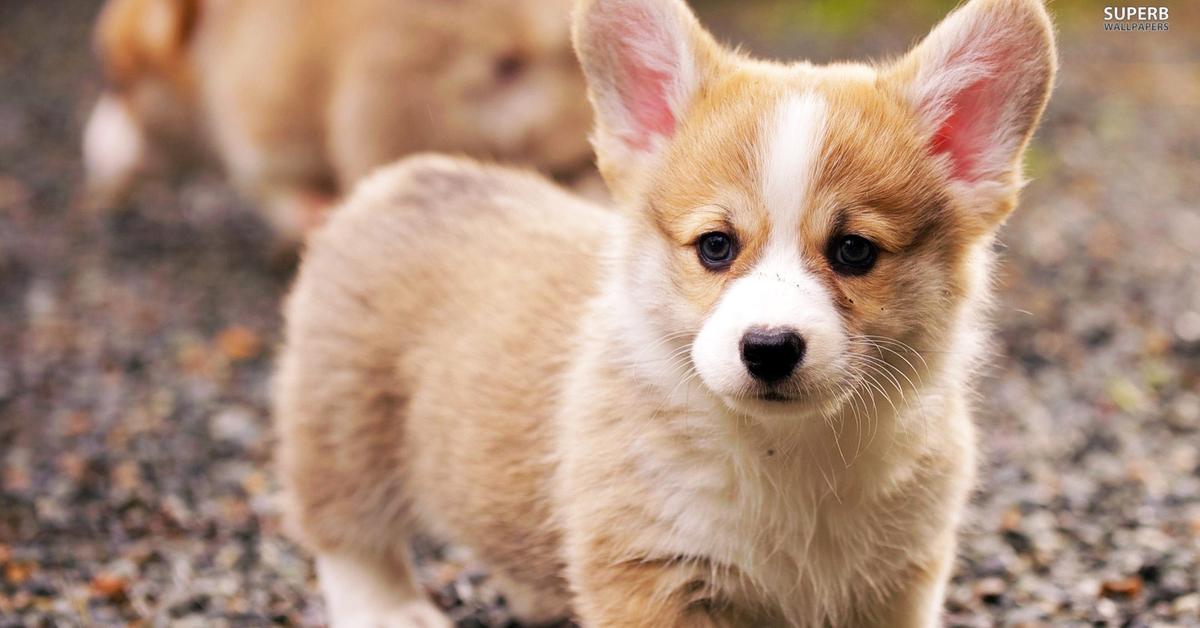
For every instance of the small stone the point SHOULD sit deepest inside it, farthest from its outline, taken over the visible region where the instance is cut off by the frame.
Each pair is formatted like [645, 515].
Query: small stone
[126, 475]
[1187, 604]
[1187, 326]
[991, 591]
[238, 425]
[1106, 608]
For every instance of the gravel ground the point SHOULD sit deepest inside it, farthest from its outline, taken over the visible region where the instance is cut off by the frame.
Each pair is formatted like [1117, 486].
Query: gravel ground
[135, 351]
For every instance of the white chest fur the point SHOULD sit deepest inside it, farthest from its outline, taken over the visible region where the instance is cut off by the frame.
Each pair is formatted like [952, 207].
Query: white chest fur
[788, 523]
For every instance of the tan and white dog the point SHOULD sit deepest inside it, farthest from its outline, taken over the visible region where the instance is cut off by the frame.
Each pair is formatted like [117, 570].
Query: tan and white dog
[298, 99]
[743, 401]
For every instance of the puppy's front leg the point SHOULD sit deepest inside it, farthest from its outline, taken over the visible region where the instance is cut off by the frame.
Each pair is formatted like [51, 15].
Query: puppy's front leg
[374, 592]
[295, 212]
[918, 602]
[659, 593]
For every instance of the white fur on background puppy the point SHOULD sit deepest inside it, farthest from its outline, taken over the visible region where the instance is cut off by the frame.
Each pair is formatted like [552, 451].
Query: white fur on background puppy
[113, 148]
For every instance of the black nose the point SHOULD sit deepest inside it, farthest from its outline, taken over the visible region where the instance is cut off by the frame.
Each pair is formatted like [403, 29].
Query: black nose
[771, 355]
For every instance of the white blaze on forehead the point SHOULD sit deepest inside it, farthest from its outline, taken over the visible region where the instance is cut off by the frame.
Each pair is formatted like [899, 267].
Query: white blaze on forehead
[779, 291]
[791, 140]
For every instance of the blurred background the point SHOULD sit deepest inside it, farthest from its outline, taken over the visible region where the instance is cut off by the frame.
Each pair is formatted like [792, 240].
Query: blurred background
[136, 346]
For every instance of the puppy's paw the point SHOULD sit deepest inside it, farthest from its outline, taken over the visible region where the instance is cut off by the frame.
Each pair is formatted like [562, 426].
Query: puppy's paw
[530, 605]
[366, 594]
[412, 614]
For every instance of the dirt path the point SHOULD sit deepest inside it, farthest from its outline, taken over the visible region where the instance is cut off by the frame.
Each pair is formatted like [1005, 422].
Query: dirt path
[135, 350]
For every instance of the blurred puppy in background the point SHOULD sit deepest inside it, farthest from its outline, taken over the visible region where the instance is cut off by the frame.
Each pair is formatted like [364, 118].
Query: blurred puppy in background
[298, 99]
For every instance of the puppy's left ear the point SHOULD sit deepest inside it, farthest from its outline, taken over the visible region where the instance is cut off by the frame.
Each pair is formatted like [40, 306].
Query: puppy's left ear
[978, 84]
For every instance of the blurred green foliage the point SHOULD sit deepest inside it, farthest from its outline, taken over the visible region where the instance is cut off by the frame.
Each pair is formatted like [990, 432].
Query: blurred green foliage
[844, 17]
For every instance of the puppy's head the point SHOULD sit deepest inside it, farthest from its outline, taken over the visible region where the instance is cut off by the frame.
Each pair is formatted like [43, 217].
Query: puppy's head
[142, 47]
[500, 79]
[803, 233]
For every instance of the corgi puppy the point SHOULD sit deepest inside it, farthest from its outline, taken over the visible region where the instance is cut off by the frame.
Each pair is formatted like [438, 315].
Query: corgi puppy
[298, 99]
[742, 400]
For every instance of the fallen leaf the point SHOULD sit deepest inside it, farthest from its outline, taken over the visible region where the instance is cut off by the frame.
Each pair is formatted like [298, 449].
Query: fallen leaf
[109, 586]
[255, 483]
[1011, 519]
[1123, 588]
[1126, 395]
[239, 343]
[17, 572]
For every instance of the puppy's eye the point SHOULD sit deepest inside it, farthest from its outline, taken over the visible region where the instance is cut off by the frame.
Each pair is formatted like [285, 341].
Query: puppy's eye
[716, 250]
[509, 66]
[852, 255]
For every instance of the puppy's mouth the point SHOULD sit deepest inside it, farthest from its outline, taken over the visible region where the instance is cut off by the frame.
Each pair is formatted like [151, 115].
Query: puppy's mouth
[792, 400]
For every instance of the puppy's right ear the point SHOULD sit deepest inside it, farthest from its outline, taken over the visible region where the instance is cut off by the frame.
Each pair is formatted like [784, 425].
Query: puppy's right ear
[645, 61]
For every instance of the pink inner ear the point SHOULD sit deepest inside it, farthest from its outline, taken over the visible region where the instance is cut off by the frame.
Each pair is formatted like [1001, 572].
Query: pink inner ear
[644, 55]
[967, 132]
[971, 130]
[646, 98]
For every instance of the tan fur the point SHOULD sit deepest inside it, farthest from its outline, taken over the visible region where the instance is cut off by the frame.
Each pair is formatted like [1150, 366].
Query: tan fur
[299, 99]
[474, 354]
